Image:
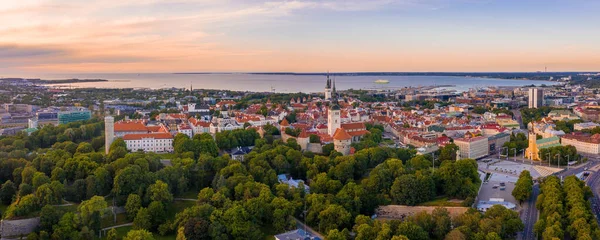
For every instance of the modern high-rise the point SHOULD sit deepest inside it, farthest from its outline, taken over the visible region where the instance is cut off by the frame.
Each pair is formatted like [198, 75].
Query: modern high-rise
[536, 97]
[109, 132]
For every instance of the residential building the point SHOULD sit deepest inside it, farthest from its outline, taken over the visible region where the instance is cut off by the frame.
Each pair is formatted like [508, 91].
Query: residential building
[474, 148]
[585, 125]
[562, 115]
[584, 143]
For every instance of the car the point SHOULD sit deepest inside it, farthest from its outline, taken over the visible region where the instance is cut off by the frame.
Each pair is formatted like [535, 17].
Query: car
[502, 184]
[502, 188]
[495, 186]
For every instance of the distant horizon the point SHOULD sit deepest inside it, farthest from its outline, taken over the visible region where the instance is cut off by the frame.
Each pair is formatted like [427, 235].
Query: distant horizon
[12, 75]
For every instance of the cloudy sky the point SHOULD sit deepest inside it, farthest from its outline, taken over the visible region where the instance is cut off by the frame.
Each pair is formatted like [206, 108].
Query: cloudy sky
[65, 36]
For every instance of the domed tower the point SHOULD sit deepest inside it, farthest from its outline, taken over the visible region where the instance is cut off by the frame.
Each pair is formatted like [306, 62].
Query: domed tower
[328, 88]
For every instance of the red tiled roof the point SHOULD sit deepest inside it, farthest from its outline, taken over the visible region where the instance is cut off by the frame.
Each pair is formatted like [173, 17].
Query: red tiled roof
[130, 127]
[349, 126]
[147, 135]
[341, 134]
[284, 123]
[358, 133]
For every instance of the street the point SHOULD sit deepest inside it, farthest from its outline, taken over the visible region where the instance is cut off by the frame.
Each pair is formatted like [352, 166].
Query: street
[529, 214]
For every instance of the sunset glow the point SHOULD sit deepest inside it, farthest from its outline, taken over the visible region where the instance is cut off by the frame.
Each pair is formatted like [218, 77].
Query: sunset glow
[38, 36]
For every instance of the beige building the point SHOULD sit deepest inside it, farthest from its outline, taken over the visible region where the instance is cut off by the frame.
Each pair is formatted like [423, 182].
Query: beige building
[584, 143]
[474, 148]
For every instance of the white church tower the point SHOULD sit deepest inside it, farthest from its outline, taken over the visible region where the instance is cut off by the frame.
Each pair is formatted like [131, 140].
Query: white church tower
[109, 132]
[334, 114]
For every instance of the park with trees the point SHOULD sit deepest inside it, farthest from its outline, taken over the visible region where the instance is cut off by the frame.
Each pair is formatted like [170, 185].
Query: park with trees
[204, 194]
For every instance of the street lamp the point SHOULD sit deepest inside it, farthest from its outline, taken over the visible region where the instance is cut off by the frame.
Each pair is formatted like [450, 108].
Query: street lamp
[558, 159]
[549, 158]
[515, 156]
[568, 160]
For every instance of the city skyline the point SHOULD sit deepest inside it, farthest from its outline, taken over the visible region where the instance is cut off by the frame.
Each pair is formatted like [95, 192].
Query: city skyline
[298, 36]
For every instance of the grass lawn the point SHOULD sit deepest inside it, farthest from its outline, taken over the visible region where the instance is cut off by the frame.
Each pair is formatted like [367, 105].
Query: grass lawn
[70, 208]
[176, 207]
[172, 210]
[108, 220]
[443, 202]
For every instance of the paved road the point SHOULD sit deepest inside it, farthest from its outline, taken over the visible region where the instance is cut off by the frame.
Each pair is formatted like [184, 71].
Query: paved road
[529, 215]
[517, 116]
[594, 182]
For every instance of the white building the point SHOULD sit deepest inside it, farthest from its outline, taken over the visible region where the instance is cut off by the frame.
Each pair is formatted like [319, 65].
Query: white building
[185, 129]
[199, 126]
[224, 124]
[586, 125]
[149, 142]
[473, 148]
[583, 143]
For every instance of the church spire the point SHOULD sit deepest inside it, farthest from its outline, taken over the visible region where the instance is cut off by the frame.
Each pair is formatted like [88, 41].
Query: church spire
[333, 93]
[328, 83]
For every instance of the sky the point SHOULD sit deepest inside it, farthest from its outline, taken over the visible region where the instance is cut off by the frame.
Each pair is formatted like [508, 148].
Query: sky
[129, 36]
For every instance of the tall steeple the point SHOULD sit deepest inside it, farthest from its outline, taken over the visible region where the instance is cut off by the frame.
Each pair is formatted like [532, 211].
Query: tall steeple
[328, 83]
[333, 93]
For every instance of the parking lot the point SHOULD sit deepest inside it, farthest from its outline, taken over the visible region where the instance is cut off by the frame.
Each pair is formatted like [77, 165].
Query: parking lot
[493, 188]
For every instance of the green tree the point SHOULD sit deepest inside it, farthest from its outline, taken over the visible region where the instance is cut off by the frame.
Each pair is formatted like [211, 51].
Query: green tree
[112, 234]
[448, 152]
[159, 191]
[140, 234]
[7, 192]
[142, 219]
[523, 186]
[96, 205]
[49, 216]
[84, 147]
[157, 213]
[333, 217]
[133, 205]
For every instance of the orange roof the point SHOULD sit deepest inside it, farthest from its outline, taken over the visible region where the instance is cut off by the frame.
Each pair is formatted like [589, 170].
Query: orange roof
[130, 127]
[349, 126]
[303, 134]
[358, 133]
[148, 135]
[341, 134]
[284, 123]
